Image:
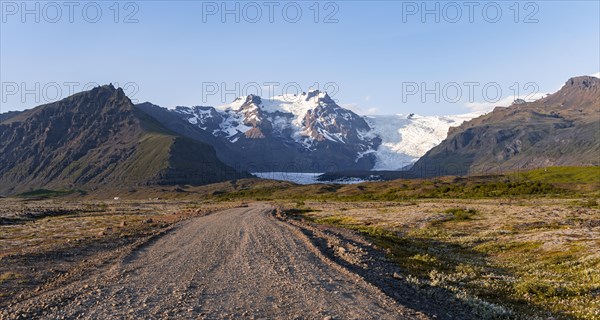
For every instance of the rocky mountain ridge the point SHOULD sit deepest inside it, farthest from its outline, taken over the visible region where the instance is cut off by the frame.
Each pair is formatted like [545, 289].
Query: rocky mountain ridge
[561, 129]
[99, 138]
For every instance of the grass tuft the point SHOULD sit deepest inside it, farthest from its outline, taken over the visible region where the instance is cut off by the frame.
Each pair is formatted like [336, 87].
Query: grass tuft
[460, 214]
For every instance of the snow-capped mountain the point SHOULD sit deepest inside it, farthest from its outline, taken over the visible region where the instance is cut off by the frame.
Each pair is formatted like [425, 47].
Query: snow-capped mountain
[309, 132]
[306, 119]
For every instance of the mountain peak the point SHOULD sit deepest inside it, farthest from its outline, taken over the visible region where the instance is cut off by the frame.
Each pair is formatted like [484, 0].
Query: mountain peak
[257, 100]
[242, 101]
[107, 90]
[583, 82]
[107, 87]
[317, 95]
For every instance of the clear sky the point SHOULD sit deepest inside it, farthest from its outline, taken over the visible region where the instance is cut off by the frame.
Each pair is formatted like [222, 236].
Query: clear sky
[372, 56]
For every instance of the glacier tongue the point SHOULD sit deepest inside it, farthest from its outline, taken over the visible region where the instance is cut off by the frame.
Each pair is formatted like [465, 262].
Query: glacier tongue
[407, 138]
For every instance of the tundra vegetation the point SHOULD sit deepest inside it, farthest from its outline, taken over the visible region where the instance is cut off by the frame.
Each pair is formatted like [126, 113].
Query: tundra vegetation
[519, 245]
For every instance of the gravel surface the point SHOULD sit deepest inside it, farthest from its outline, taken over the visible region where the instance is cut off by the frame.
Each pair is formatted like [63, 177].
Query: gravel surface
[237, 263]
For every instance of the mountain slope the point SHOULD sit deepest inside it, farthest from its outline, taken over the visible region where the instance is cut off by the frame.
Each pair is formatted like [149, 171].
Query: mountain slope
[96, 139]
[562, 129]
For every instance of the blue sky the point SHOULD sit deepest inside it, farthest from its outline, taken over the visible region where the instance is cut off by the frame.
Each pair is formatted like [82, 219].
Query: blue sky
[378, 57]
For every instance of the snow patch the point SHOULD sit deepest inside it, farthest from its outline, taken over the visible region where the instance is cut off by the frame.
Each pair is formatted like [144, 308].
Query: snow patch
[233, 125]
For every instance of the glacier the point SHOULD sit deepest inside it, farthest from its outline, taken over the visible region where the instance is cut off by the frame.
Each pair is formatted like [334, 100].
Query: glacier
[406, 138]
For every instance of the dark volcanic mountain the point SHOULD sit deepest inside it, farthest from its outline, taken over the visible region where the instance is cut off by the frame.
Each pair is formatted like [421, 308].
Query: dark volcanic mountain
[99, 138]
[307, 132]
[562, 129]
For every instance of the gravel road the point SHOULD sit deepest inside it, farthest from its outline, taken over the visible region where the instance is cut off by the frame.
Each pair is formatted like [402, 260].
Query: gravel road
[237, 263]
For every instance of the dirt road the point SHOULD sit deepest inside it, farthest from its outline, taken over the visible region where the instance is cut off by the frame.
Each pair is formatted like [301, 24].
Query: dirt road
[237, 263]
